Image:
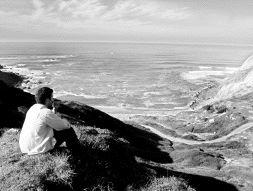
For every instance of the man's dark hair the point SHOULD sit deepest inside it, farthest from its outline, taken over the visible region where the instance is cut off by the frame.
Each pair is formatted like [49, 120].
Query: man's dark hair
[42, 94]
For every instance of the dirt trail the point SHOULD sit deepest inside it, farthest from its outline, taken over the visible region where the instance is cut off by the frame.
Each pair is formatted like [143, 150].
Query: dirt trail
[192, 142]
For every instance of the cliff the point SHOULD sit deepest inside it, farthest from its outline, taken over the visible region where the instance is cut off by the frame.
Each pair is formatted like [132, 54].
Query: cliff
[238, 85]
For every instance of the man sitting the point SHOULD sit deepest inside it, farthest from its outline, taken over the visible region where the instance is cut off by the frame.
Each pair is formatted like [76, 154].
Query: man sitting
[43, 130]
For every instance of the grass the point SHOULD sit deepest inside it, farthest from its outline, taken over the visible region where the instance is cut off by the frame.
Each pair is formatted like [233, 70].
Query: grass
[37, 172]
[105, 163]
[168, 184]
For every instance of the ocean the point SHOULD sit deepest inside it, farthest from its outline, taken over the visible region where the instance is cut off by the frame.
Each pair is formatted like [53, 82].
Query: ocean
[123, 78]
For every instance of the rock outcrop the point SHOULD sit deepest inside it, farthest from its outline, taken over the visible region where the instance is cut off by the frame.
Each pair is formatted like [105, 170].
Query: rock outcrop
[237, 85]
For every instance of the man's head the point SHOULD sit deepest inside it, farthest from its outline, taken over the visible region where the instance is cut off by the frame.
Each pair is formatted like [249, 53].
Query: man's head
[44, 96]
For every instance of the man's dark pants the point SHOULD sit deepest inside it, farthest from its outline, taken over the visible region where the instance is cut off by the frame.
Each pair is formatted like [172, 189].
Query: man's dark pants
[68, 136]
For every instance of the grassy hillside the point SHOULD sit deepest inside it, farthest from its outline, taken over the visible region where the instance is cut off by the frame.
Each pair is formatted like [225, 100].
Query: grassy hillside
[104, 163]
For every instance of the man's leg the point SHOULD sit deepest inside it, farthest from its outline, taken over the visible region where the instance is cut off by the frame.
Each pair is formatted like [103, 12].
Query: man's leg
[68, 136]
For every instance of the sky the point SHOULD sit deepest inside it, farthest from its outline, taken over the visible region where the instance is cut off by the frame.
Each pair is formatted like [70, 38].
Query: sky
[193, 21]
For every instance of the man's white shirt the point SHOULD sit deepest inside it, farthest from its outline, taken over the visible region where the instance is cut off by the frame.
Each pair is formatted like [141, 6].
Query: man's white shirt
[37, 132]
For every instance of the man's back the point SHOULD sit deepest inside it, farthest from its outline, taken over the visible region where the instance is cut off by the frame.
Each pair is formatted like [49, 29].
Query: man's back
[36, 135]
[44, 130]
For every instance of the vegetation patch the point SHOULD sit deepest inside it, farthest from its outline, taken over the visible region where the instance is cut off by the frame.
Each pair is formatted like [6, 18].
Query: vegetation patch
[168, 184]
[105, 162]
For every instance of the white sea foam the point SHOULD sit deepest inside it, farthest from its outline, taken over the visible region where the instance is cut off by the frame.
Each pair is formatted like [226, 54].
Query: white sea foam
[181, 108]
[231, 69]
[57, 73]
[205, 67]
[21, 65]
[25, 72]
[40, 58]
[68, 93]
[47, 60]
[194, 75]
[151, 93]
[52, 56]
[149, 103]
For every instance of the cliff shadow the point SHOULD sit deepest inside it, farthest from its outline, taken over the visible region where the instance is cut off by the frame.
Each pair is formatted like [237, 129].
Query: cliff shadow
[14, 103]
[198, 182]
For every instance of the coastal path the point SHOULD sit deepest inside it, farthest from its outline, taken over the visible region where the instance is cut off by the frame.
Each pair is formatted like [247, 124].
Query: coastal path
[192, 142]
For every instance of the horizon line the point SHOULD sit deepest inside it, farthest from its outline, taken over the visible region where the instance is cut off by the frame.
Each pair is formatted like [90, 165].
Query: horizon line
[128, 42]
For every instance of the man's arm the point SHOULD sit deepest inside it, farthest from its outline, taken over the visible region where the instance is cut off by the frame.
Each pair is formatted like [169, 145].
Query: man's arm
[55, 122]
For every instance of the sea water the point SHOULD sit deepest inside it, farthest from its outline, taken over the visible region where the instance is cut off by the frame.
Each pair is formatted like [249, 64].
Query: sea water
[124, 78]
